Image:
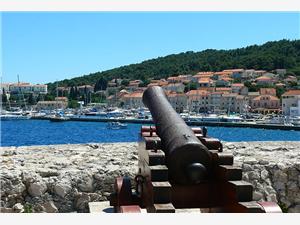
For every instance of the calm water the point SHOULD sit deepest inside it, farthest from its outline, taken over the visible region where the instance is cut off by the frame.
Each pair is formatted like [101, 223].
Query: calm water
[43, 132]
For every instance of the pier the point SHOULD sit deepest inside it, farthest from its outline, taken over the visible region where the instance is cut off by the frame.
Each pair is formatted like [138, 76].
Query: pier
[190, 123]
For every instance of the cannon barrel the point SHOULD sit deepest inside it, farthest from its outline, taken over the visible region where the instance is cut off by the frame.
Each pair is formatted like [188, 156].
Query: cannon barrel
[187, 159]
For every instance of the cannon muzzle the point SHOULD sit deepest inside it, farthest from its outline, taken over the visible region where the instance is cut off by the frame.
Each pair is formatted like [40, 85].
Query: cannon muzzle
[188, 160]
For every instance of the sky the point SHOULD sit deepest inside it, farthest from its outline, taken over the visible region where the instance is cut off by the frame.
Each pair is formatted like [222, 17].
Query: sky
[44, 47]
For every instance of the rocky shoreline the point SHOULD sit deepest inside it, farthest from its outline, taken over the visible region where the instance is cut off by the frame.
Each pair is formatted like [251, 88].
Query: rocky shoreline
[64, 178]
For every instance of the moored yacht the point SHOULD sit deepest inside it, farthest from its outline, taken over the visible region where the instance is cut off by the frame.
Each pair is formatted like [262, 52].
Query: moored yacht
[116, 125]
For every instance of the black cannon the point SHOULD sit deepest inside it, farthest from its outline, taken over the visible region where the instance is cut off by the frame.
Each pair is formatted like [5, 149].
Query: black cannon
[187, 159]
[182, 168]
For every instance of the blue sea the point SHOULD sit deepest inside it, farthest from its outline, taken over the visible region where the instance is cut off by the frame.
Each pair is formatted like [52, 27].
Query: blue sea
[43, 132]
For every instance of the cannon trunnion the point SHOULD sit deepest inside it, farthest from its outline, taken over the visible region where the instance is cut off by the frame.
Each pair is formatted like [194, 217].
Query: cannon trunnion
[182, 169]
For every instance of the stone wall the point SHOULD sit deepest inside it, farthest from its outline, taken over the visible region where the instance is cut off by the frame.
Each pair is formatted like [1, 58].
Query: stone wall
[64, 178]
[273, 168]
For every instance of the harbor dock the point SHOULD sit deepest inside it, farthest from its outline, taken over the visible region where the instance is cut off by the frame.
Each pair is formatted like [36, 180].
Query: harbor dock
[190, 123]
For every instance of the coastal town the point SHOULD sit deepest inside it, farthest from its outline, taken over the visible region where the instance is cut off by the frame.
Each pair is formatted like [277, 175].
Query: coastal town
[231, 91]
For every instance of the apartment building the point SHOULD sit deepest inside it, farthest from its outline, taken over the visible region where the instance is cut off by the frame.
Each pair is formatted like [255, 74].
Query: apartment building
[265, 104]
[267, 91]
[18, 88]
[215, 99]
[85, 89]
[181, 79]
[236, 73]
[198, 100]
[239, 88]
[205, 82]
[291, 103]
[178, 101]
[174, 87]
[134, 85]
[133, 100]
[264, 80]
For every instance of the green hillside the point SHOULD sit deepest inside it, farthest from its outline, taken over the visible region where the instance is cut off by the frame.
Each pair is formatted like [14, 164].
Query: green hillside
[269, 56]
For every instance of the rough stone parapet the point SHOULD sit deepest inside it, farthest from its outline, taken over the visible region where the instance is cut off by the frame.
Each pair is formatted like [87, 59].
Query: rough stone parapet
[64, 178]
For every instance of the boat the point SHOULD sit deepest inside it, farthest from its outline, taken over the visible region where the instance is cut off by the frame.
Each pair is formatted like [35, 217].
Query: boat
[231, 118]
[277, 120]
[295, 120]
[14, 115]
[116, 125]
[115, 113]
[203, 118]
[59, 118]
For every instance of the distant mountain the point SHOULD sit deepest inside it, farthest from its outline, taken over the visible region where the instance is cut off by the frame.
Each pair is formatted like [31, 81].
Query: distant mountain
[269, 56]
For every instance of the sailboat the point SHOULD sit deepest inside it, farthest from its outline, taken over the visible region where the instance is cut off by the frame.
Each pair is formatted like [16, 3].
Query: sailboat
[57, 116]
[15, 113]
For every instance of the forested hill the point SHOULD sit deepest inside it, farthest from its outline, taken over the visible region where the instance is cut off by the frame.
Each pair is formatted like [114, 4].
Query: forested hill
[269, 56]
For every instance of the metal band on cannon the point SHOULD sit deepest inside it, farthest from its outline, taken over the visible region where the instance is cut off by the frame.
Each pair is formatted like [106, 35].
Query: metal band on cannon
[188, 160]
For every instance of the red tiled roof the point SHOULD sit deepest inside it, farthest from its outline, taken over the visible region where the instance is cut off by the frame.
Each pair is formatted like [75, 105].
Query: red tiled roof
[223, 89]
[204, 80]
[197, 92]
[264, 78]
[134, 95]
[291, 93]
[237, 85]
[230, 94]
[202, 75]
[174, 94]
[234, 70]
[205, 73]
[259, 98]
[223, 73]
[226, 78]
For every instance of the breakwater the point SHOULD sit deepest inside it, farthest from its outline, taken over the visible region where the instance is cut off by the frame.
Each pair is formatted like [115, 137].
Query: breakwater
[190, 123]
[64, 178]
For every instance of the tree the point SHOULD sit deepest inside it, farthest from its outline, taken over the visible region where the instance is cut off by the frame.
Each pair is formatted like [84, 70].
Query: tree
[73, 104]
[144, 83]
[72, 93]
[269, 56]
[247, 84]
[237, 80]
[101, 84]
[40, 97]
[293, 84]
[31, 99]
[49, 97]
[125, 82]
[190, 86]
[4, 97]
[279, 91]
[76, 93]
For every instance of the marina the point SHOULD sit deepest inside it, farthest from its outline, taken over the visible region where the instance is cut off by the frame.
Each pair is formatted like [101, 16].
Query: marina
[143, 116]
